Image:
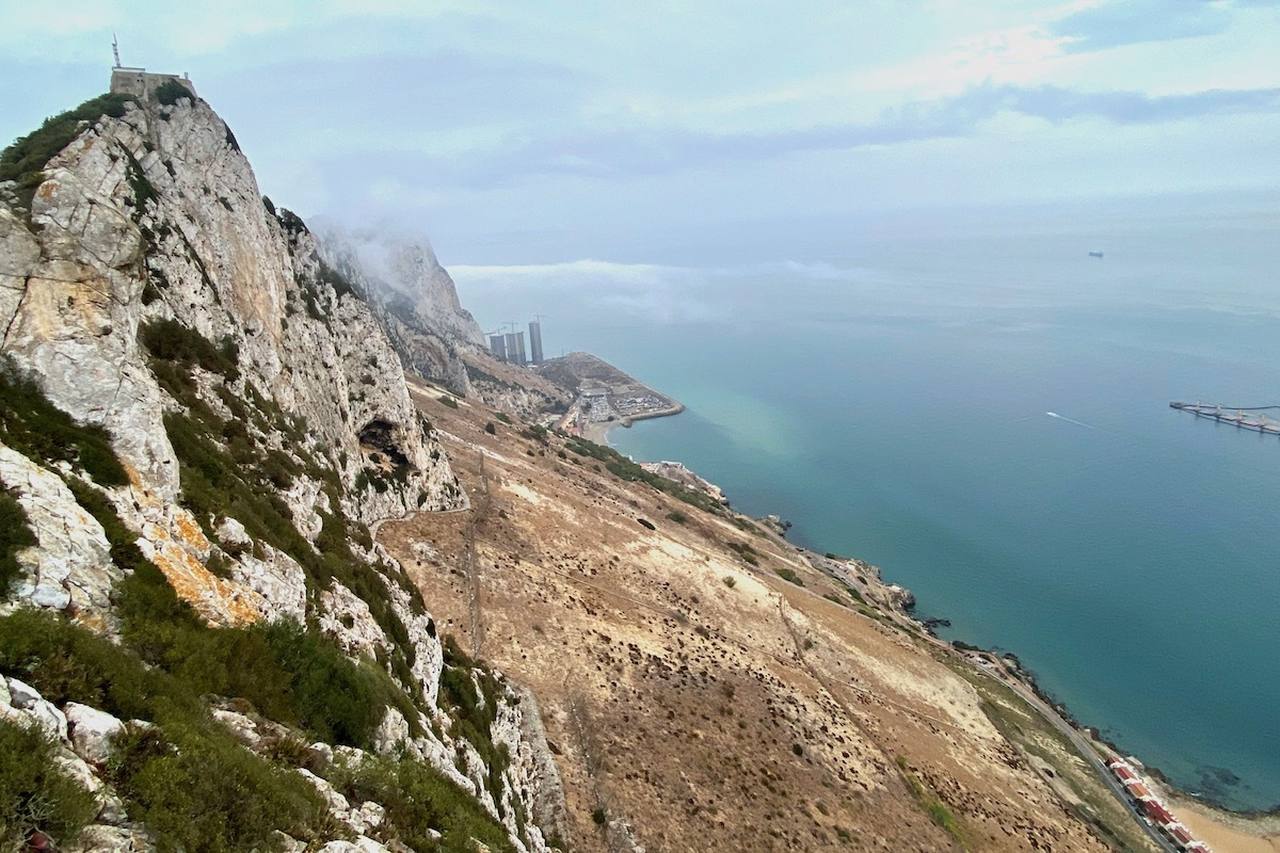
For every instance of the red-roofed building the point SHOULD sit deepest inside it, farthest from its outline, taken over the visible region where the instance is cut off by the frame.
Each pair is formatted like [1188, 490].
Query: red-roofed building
[1181, 834]
[1123, 772]
[1137, 790]
[1157, 812]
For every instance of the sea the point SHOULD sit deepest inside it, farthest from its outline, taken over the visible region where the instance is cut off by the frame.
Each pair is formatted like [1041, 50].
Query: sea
[974, 403]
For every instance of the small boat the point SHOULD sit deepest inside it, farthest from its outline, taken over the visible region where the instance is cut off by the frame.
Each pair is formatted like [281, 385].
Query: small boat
[1095, 254]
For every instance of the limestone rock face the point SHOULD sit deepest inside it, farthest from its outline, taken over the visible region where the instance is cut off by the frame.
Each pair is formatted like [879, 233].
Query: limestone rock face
[71, 566]
[155, 294]
[413, 297]
[156, 216]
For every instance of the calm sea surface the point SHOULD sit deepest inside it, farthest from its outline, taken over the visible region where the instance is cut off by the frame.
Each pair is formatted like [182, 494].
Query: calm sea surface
[891, 399]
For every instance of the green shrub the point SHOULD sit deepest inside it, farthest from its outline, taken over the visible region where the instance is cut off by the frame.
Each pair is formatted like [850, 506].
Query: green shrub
[474, 710]
[34, 427]
[170, 91]
[187, 779]
[449, 401]
[169, 340]
[789, 576]
[15, 534]
[195, 788]
[418, 798]
[124, 551]
[25, 159]
[745, 551]
[502, 417]
[625, 469]
[290, 674]
[677, 516]
[34, 795]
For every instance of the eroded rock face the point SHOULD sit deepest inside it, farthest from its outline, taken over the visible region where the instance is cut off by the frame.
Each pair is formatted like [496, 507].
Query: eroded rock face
[157, 215]
[414, 299]
[154, 220]
[70, 568]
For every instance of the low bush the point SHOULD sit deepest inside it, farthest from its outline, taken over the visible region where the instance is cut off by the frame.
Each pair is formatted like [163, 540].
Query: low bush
[290, 674]
[124, 551]
[34, 427]
[625, 469]
[25, 159]
[745, 551]
[169, 340]
[419, 799]
[677, 516]
[195, 788]
[449, 401]
[474, 709]
[35, 797]
[170, 91]
[15, 534]
[789, 576]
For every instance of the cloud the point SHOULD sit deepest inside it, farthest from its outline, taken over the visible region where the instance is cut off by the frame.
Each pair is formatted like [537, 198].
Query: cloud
[1124, 22]
[648, 150]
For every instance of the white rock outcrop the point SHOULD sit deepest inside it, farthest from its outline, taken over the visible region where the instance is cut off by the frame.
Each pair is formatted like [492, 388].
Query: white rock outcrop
[71, 565]
[91, 732]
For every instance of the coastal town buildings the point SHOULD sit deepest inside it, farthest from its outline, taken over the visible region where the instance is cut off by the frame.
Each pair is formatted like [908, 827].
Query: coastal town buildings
[1151, 808]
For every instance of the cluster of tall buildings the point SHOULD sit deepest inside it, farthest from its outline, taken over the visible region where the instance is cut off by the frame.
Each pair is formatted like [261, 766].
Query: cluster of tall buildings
[509, 346]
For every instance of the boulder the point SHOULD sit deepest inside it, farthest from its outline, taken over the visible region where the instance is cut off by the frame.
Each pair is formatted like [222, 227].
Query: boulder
[43, 713]
[242, 728]
[91, 731]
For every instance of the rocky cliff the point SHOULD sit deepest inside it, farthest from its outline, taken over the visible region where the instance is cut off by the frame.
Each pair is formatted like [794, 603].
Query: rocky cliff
[413, 298]
[201, 418]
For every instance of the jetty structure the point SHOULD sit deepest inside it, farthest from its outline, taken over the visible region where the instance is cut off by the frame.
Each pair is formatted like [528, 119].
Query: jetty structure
[1243, 417]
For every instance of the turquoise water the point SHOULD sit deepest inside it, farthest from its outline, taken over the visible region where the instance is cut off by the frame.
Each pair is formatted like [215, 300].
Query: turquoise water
[891, 402]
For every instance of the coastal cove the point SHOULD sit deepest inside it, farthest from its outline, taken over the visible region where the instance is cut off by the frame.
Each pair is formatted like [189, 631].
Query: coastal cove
[892, 402]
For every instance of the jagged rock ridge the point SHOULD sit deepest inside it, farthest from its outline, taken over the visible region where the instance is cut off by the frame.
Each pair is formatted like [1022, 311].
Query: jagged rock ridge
[230, 418]
[413, 298]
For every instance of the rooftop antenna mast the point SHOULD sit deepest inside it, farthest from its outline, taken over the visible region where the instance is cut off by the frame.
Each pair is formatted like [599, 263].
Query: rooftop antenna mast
[115, 49]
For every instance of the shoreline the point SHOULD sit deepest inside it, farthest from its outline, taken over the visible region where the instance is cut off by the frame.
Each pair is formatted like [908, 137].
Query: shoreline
[599, 432]
[1225, 828]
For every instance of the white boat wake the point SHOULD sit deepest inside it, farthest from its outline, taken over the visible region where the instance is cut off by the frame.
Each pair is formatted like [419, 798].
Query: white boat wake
[1070, 420]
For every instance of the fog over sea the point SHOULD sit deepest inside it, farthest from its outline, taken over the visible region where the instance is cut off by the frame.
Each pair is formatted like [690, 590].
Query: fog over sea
[884, 385]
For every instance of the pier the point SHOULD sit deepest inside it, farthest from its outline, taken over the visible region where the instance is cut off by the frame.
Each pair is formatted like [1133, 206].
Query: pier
[1242, 417]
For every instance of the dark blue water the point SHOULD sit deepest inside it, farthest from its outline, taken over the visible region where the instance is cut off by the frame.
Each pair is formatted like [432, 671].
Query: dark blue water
[891, 402]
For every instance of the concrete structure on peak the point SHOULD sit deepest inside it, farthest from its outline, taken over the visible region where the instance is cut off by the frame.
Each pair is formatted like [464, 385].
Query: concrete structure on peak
[140, 82]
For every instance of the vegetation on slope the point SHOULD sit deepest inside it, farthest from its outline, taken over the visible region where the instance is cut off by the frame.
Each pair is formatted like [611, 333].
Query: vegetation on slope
[623, 468]
[35, 796]
[37, 429]
[187, 778]
[25, 159]
[15, 534]
[170, 91]
[419, 799]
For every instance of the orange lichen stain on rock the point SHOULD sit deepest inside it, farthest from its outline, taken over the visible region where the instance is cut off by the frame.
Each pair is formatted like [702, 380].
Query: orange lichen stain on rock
[217, 600]
[191, 533]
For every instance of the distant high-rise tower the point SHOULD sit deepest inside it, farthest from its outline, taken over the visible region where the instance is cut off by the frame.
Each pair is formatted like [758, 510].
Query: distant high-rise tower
[515, 347]
[535, 341]
[498, 346]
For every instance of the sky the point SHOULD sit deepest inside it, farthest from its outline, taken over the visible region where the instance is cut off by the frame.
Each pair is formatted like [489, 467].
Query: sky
[539, 133]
